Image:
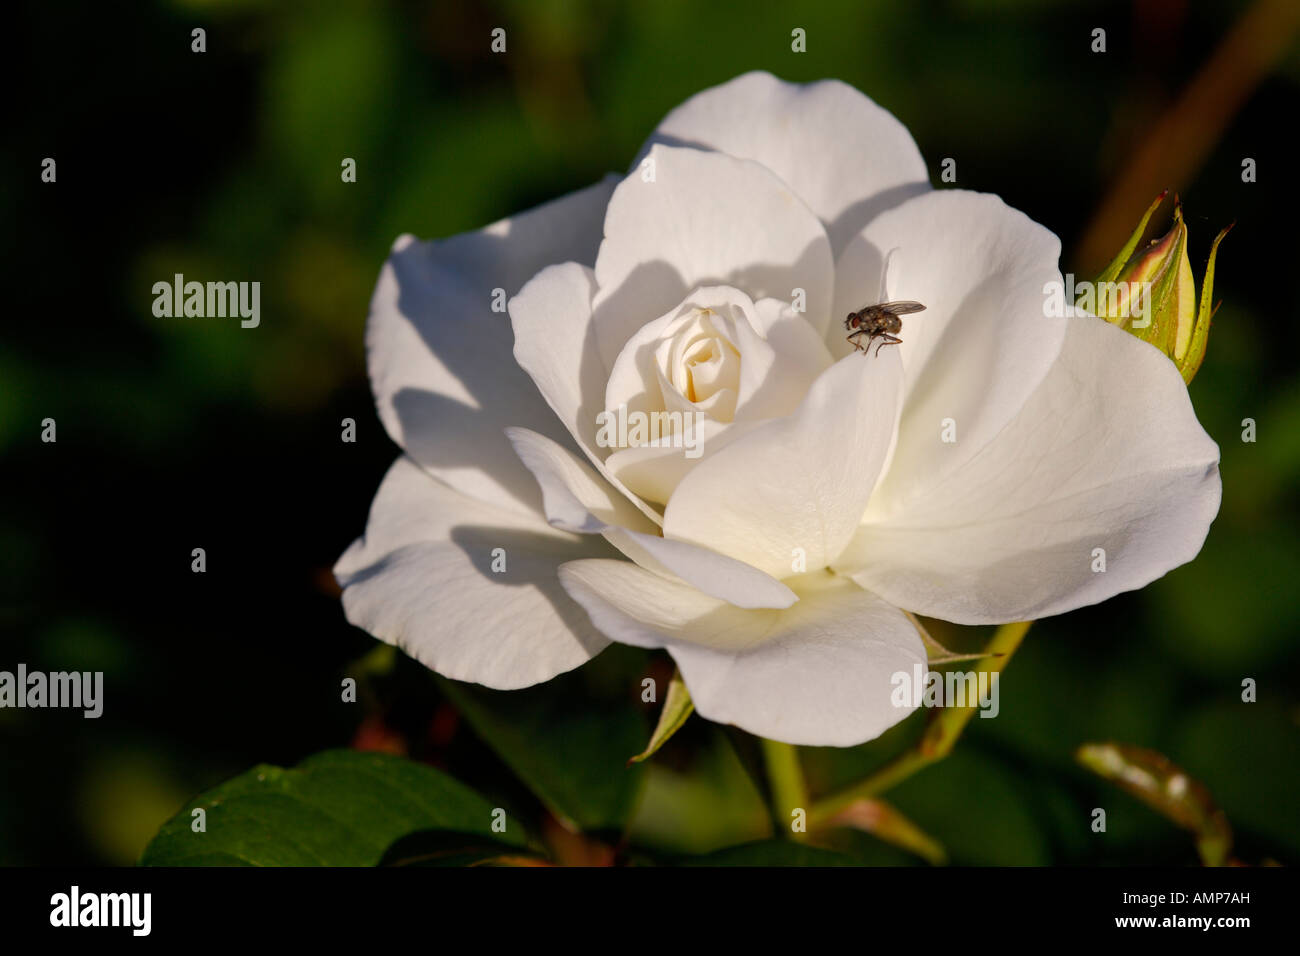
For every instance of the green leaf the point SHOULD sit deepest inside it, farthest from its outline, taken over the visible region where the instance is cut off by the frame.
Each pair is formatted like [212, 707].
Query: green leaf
[336, 808]
[772, 853]
[567, 745]
[1166, 788]
[444, 848]
[677, 707]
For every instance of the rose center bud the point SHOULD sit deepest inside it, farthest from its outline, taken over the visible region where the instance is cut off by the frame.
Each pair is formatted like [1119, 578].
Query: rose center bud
[691, 381]
[703, 365]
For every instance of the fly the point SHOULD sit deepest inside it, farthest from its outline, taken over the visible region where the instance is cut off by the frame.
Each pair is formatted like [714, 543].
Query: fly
[879, 323]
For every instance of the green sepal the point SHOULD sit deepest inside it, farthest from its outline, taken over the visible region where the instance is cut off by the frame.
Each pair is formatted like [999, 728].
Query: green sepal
[1111, 271]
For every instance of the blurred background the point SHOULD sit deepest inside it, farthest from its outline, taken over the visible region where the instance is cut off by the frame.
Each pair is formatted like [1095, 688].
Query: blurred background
[175, 434]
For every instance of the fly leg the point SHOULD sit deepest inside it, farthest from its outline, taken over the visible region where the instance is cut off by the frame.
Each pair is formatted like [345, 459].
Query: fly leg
[887, 339]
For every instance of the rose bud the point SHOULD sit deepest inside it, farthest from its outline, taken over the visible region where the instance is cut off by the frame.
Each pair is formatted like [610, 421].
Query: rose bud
[1152, 294]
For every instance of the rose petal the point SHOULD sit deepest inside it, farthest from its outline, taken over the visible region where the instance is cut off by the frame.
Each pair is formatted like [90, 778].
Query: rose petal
[654, 471]
[636, 378]
[839, 152]
[800, 356]
[982, 344]
[705, 219]
[800, 482]
[577, 500]
[816, 674]
[769, 384]
[551, 316]
[421, 578]
[444, 380]
[781, 357]
[1107, 453]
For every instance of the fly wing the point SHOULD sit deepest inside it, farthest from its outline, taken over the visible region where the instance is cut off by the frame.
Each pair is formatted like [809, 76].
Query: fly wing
[901, 308]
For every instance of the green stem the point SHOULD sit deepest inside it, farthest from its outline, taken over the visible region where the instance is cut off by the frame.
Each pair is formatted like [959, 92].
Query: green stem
[785, 781]
[936, 742]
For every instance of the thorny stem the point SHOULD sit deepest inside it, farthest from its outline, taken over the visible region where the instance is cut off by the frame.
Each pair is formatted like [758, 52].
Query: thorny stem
[936, 742]
[785, 780]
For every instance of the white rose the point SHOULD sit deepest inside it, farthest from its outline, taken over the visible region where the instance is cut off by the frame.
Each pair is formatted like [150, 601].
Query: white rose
[821, 497]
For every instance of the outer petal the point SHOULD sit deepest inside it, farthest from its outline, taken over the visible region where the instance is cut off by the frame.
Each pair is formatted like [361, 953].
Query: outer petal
[982, 345]
[1107, 453]
[797, 482]
[421, 578]
[554, 344]
[705, 219]
[444, 380]
[846, 157]
[577, 500]
[818, 673]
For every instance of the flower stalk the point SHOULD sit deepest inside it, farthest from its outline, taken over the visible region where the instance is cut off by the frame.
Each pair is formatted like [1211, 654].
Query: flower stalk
[786, 783]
